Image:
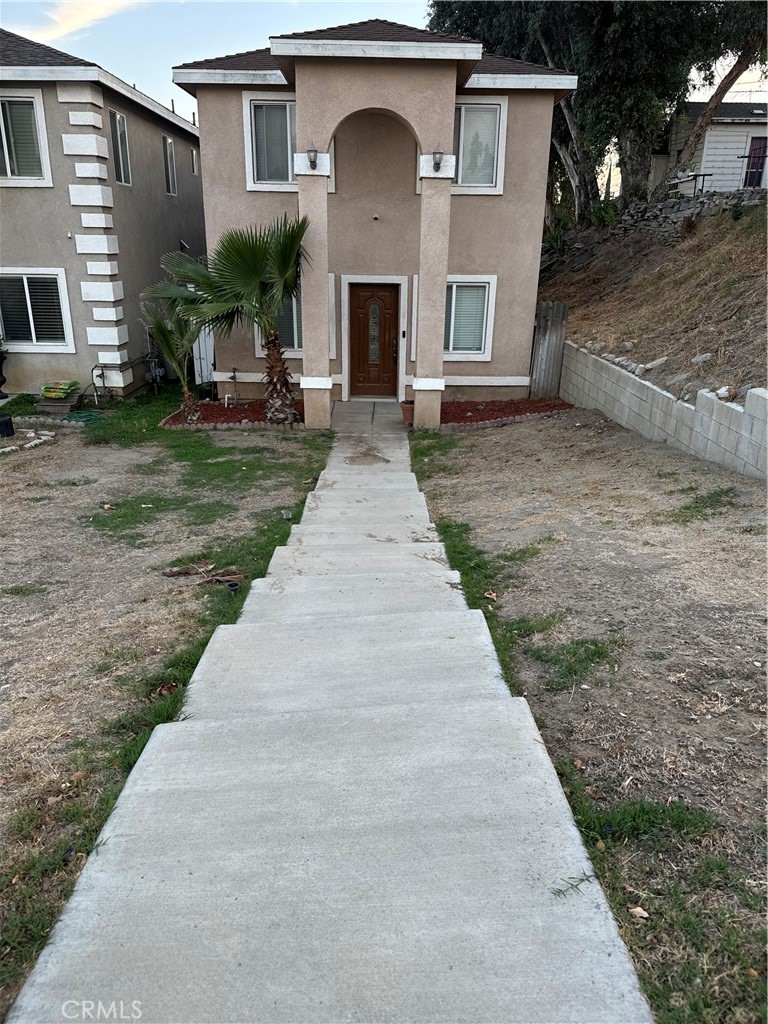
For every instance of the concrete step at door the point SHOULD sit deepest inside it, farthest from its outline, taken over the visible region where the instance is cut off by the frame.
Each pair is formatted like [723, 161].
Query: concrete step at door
[372, 557]
[391, 534]
[289, 599]
[285, 667]
[402, 857]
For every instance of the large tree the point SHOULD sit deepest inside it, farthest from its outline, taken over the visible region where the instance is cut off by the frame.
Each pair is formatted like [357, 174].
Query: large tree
[249, 276]
[634, 62]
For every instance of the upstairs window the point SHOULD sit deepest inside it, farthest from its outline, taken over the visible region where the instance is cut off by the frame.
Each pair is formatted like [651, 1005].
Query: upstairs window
[169, 162]
[32, 312]
[19, 142]
[274, 141]
[119, 132]
[478, 131]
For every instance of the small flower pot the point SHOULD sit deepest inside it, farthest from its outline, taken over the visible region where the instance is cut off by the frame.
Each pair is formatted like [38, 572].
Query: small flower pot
[407, 408]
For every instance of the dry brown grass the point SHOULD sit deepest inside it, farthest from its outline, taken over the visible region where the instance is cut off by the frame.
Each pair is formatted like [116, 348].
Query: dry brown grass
[706, 294]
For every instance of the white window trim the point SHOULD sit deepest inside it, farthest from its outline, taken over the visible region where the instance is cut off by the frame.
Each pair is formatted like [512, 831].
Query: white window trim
[170, 150]
[249, 98]
[116, 155]
[761, 131]
[66, 316]
[46, 181]
[490, 310]
[402, 341]
[289, 353]
[496, 189]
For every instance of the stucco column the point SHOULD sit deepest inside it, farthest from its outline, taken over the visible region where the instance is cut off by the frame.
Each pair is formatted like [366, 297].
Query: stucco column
[315, 380]
[429, 382]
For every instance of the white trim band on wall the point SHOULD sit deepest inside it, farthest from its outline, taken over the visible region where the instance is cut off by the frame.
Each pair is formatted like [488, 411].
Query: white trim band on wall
[315, 383]
[488, 382]
[301, 165]
[427, 166]
[428, 384]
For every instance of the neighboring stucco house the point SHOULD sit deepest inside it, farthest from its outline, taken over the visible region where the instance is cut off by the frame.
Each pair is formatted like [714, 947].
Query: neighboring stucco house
[732, 153]
[423, 264]
[97, 181]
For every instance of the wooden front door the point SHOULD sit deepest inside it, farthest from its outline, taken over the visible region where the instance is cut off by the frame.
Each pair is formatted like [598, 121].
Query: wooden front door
[373, 330]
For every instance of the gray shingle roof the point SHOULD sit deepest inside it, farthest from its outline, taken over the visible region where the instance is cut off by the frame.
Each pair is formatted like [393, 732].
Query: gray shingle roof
[737, 111]
[19, 52]
[375, 30]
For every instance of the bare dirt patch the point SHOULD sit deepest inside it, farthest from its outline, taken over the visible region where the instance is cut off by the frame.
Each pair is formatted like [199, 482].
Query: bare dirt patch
[682, 717]
[82, 607]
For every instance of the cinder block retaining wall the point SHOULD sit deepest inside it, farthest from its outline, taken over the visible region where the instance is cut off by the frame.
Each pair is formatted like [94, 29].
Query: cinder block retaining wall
[721, 432]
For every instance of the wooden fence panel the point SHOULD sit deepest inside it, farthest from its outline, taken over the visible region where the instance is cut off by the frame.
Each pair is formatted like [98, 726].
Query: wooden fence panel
[548, 343]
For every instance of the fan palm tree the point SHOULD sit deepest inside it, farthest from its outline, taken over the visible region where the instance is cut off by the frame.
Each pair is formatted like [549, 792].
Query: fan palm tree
[249, 276]
[175, 337]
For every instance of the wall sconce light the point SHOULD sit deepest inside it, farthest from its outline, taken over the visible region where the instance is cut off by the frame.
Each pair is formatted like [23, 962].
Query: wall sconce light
[312, 157]
[437, 158]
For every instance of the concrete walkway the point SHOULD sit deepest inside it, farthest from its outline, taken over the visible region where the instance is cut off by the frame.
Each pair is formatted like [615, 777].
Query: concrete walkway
[355, 822]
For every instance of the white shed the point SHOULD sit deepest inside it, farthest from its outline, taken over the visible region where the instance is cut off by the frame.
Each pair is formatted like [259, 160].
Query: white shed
[732, 154]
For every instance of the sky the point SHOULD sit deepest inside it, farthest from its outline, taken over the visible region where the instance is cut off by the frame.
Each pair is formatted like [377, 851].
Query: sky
[141, 40]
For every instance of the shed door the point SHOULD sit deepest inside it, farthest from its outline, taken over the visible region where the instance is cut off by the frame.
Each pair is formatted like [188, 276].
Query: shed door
[755, 162]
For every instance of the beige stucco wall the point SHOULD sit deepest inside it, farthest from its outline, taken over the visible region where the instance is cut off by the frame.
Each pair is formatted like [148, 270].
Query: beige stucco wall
[375, 172]
[38, 228]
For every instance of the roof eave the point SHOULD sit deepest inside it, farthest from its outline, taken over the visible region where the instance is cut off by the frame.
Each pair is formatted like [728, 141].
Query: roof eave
[284, 47]
[190, 78]
[561, 85]
[93, 73]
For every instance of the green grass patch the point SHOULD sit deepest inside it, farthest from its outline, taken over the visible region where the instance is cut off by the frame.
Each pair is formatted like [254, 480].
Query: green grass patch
[20, 405]
[483, 574]
[25, 589]
[700, 954]
[428, 451]
[703, 506]
[571, 663]
[130, 515]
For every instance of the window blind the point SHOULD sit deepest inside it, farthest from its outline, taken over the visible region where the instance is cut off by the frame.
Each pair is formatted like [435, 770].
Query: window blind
[30, 309]
[274, 140]
[465, 307]
[289, 324]
[20, 144]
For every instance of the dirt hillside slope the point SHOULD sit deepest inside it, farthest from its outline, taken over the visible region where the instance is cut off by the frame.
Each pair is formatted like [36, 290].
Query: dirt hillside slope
[705, 295]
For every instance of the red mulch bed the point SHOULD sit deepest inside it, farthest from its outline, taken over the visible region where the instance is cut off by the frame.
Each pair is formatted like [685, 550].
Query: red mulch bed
[214, 412]
[479, 412]
[451, 412]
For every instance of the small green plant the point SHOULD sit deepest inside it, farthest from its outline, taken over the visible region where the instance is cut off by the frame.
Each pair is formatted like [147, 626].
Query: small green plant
[428, 447]
[25, 589]
[20, 405]
[703, 506]
[602, 213]
[737, 211]
[572, 662]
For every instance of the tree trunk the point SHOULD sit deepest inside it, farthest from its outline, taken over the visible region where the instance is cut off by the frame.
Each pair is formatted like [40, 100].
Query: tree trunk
[281, 406]
[579, 182]
[745, 60]
[584, 179]
[549, 206]
[190, 407]
[635, 165]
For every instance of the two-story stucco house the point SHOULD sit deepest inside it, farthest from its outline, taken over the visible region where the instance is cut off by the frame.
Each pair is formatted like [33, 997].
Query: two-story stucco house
[421, 164]
[97, 182]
